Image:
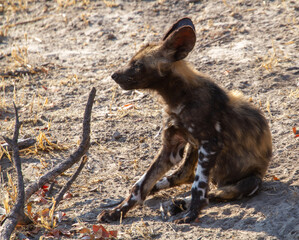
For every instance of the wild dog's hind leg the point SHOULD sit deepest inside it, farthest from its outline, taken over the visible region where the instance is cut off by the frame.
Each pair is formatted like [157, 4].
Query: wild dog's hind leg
[185, 174]
[246, 187]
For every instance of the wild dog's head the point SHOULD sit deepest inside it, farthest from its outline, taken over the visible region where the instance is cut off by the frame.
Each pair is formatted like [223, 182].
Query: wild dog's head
[147, 68]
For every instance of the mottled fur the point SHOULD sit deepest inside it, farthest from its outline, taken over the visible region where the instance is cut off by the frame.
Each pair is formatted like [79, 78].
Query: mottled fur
[224, 138]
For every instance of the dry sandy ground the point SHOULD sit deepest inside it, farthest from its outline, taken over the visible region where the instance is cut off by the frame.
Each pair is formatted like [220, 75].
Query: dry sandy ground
[251, 46]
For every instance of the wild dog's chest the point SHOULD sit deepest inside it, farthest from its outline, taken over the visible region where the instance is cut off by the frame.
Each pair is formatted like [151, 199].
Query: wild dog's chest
[192, 120]
[180, 117]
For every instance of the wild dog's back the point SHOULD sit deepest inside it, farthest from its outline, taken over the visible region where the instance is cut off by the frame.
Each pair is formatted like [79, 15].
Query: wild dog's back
[243, 130]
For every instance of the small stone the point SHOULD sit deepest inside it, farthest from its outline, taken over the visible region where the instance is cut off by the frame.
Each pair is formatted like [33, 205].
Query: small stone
[144, 145]
[116, 135]
[111, 36]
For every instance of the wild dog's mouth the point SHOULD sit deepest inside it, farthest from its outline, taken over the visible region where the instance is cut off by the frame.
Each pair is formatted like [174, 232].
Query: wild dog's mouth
[126, 86]
[125, 83]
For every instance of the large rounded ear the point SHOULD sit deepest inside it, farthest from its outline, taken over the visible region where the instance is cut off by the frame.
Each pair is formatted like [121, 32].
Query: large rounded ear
[180, 23]
[180, 39]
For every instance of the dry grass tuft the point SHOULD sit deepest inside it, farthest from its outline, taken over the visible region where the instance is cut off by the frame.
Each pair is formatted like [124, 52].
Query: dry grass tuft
[139, 230]
[294, 94]
[10, 194]
[18, 63]
[43, 144]
[20, 56]
[4, 151]
[67, 3]
[110, 3]
[14, 6]
[270, 61]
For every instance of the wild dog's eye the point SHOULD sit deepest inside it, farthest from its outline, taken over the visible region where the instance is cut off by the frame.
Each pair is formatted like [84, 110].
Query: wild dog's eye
[139, 66]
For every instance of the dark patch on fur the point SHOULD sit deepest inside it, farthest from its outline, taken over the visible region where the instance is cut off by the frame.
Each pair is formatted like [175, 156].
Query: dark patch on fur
[202, 185]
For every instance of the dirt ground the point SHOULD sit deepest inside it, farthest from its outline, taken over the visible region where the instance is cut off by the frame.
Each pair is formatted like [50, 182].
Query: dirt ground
[53, 52]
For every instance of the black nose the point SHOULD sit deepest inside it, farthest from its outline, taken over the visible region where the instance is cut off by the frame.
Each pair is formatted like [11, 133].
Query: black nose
[115, 76]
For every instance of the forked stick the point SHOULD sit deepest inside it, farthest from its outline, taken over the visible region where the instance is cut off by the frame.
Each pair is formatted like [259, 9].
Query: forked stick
[73, 158]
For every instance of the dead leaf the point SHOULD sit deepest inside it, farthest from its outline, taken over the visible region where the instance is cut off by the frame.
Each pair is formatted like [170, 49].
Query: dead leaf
[275, 178]
[105, 233]
[128, 106]
[95, 228]
[294, 130]
[113, 233]
[84, 230]
[226, 72]
[102, 233]
[29, 209]
[45, 187]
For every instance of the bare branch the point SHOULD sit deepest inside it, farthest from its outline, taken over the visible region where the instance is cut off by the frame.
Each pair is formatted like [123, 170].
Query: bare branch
[17, 213]
[22, 143]
[70, 182]
[74, 158]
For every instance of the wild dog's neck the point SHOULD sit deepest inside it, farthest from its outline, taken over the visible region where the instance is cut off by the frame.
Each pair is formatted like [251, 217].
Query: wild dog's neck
[177, 84]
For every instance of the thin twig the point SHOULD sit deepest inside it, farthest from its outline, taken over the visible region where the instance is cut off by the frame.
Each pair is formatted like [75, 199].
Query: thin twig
[215, 40]
[5, 55]
[25, 22]
[70, 182]
[17, 73]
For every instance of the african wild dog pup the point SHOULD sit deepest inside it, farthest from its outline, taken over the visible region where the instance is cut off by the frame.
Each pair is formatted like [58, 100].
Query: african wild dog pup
[216, 132]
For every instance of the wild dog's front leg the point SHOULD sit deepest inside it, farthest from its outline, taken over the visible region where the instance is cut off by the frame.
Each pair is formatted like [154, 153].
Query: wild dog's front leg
[142, 187]
[121, 210]
[183, 175]
[206, 159]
